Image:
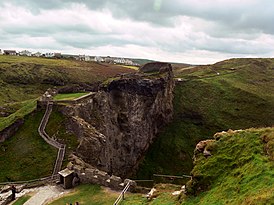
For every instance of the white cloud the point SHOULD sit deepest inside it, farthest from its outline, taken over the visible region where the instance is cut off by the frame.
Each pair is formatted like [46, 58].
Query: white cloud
[183, 31]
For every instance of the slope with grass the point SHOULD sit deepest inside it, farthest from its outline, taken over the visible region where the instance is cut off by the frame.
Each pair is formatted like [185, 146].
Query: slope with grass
[236, 94]
[240, 170]
[88, 195]
[25, 78]
[26, 156]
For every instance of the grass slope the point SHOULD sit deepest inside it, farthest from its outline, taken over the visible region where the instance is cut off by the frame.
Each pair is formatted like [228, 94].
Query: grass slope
[25, 78]
[240, 170]
[22, 200]
[21, 110]
[26, 156]
[87, 195]
[56, 128]
[236, 94]
[68, 96]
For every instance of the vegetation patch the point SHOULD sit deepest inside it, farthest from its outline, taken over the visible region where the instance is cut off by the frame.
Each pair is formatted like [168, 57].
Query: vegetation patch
[21, 110]
[88, 195]
[56, 128]
[68, 96]
[26, 155]
[22, 200]
[238, 172]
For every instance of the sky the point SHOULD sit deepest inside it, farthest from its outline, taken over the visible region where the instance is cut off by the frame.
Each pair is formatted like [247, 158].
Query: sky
[186, 31]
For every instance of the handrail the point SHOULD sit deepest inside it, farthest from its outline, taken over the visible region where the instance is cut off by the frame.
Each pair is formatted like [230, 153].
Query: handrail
[122, 195]
[171, 176]
[29, 181]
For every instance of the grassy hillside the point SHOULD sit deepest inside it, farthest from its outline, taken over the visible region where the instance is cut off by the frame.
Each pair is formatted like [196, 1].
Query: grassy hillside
[236, 94]
[240, 170]
[26, 156]
[25, 78]
[22, 78]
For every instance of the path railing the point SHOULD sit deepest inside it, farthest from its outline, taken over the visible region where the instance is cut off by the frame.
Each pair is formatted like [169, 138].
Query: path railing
[121, 197]
[61, 147]
[30, 182]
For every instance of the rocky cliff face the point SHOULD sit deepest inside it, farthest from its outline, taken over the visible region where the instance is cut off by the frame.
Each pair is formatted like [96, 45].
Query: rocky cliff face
[117, 124]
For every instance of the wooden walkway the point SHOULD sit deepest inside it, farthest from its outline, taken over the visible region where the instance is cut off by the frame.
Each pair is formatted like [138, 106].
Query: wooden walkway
[61, 147]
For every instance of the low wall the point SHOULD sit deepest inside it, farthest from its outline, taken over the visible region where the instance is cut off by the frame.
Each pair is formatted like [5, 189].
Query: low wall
[11, 130]
[89, 174]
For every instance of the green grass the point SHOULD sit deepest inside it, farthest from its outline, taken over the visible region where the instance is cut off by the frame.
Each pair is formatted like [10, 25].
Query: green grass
[24, 108]
[238, 172]
[206, 103]
[131, 67]
[163, 195]
[25, 155]
[88, 195]
[56, 128]
[22, 200]
[68, 96]
[23, 78]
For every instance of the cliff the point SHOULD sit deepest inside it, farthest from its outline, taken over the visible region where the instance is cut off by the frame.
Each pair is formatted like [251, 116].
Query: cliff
[117, 124]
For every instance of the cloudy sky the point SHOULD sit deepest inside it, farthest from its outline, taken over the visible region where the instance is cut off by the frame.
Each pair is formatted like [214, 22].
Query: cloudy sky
[190, 31]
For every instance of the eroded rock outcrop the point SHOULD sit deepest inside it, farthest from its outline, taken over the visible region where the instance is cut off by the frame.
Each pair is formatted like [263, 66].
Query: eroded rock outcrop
[118, 123]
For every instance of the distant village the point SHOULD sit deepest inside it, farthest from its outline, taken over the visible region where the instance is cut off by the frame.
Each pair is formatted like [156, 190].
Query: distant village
[99, 59]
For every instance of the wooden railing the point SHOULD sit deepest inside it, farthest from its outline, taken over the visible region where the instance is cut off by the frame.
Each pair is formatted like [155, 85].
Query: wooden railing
[61, 147]
[121, 197]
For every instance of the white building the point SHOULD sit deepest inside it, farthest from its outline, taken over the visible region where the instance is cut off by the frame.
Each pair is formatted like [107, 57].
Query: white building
[98, 59]
[88, 58]
[37, 54]
[49, 55]
[1, 53]
[25, 53]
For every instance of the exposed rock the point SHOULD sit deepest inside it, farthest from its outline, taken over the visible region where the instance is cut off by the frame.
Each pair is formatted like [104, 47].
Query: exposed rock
[116, 125]
[200, 147]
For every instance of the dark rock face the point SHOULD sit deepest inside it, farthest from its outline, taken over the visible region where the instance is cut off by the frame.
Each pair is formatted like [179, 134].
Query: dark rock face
[117, 124]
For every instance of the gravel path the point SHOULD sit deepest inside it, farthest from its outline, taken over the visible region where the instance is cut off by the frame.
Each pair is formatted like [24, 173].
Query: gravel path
[42, 195]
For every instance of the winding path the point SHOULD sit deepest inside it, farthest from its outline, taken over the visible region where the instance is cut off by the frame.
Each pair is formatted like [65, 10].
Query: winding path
[61, 147]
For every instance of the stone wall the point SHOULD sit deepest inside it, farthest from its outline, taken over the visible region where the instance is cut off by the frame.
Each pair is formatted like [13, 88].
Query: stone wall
[11, 130]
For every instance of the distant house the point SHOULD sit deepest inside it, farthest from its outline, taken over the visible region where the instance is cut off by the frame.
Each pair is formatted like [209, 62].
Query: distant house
[49, 55]
[98, 59]
[10, 52]
[88, 58]
[57, 55]
[53, 55]
[25, 53]
[37, 54]
[81, 57]
[109, 60]
[1, 53]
